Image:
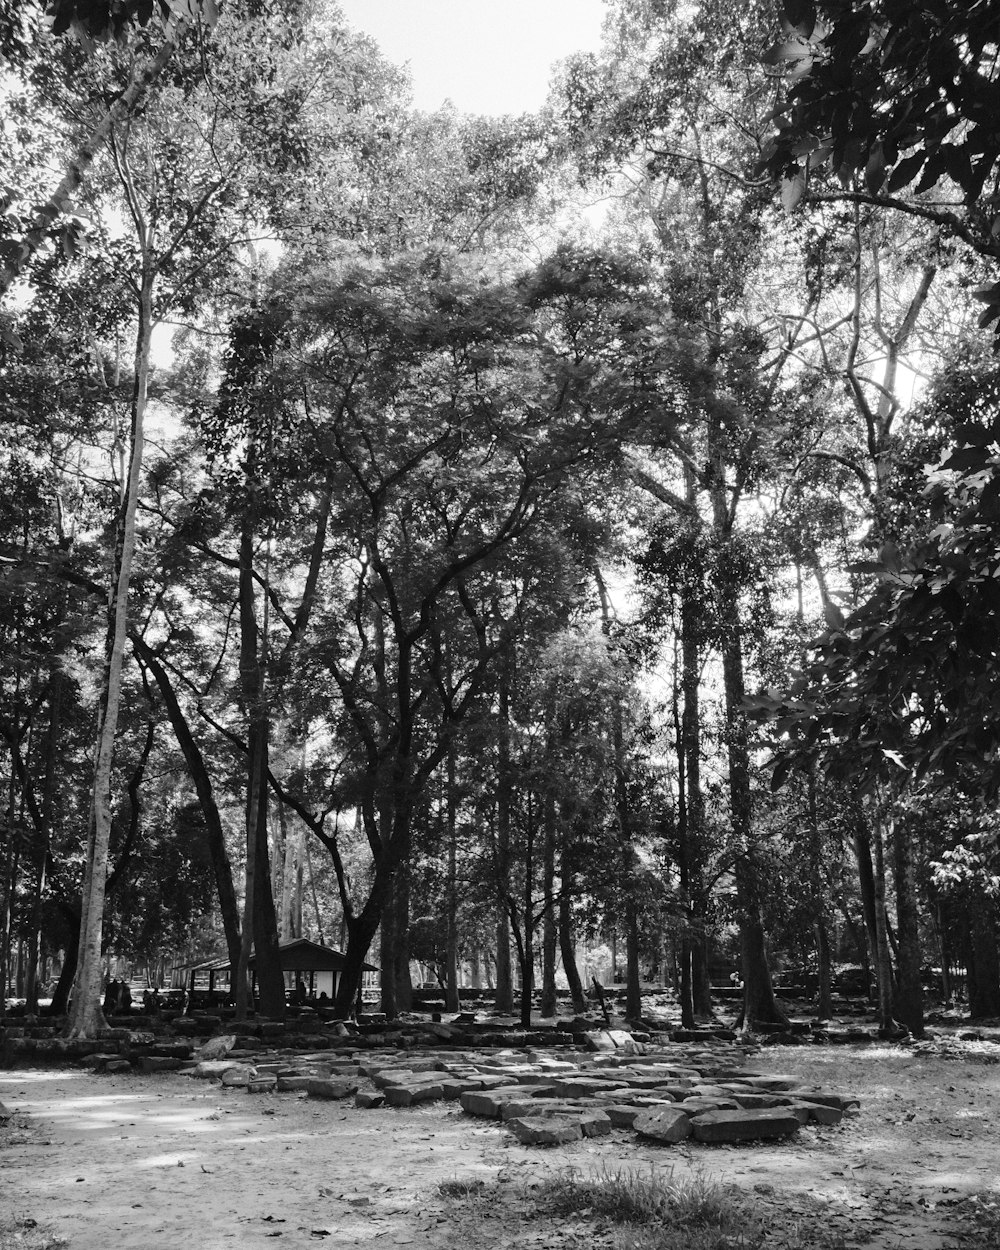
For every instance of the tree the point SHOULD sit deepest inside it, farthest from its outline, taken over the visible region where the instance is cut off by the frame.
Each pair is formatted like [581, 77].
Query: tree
[898, 104]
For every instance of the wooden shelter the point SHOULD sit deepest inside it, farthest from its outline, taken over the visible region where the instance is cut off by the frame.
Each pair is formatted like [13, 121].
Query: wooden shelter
[317, 967]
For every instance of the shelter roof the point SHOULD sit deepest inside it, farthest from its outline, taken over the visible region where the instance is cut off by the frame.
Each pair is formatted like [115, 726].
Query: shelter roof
[302, 955]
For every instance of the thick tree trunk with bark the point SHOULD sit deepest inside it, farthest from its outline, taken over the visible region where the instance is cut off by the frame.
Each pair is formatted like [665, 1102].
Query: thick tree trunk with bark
[984, 969]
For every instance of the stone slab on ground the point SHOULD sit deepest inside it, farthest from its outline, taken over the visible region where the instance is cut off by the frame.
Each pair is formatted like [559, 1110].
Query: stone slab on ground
[693, 1106]
[664, 1124]
[546, 1131]
[488, 1103]
[413, 1092]
[158, 1063]
[748, 1125]
[820, 1112]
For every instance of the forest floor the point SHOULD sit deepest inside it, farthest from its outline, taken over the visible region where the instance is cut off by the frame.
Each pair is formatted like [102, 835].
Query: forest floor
[162, 1161]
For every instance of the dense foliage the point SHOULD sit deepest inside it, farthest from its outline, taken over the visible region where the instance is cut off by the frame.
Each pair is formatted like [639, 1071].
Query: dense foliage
[390, 558]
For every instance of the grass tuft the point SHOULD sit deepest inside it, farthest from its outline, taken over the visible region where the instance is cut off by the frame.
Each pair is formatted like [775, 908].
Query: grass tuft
[462, 1188]
[627, 1209]
[625, 1196]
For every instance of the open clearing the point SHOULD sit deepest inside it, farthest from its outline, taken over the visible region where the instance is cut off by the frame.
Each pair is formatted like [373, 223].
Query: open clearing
[166, 1161]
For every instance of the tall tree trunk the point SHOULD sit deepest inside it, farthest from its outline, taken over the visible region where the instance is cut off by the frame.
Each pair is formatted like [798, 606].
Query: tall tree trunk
[259, 921]
[759, 1003]
[526, 949]
[401, 901]
[67, 974]
[387, 955]
[199, 774]
[909, 1001]
[288, 847]
[883, 958]
[57, 687]
[504, 997]
[984, 979]
[626, 832]
[567, 944]
[825, 996]
[452, 997]
[549, 926]
[86, 1019]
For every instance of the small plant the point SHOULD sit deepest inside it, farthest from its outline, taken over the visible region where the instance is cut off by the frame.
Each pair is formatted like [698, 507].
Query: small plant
[21, 1232]
[461, 1188]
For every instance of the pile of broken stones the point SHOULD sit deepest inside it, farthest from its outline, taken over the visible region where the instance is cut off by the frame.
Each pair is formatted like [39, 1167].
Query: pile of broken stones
[666, 1093]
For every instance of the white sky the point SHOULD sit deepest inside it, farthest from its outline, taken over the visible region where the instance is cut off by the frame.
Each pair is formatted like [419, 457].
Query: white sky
[486, 56]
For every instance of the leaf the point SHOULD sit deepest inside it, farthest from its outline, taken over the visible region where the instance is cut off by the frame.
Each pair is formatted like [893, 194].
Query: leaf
[780, 774]
[835, 619]
[792, 190]
[905, 172]
[875, 170]
[786, 50]
[889, 555]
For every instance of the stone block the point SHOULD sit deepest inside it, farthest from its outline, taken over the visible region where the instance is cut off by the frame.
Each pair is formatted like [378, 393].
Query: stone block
[744, 1125]
[98, 1061]
[264, 1083]
[595, 1123]
[843, 1101]
[546, 1131]
[488, 1103]
[620, 1115]
[663, 1124]
[293, 1084]
[762, 1100]
[694, 1106]
[585, 1086]
[774, 1084]
[237, 1074]
[410, 1095]
[820, 1112]
[381, 1077]
[117, 1065]
[216, 1047]
[369, 1098]
[159, 1063]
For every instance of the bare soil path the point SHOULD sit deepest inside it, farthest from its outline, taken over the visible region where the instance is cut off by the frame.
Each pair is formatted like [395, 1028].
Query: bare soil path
[160, 1162]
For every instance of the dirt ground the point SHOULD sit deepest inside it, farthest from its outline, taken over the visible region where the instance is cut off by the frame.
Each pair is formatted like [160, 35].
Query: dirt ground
[162, 1161]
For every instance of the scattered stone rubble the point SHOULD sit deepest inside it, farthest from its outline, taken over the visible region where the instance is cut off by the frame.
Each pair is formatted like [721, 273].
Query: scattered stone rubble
[668, 1094]
[603, 1081]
